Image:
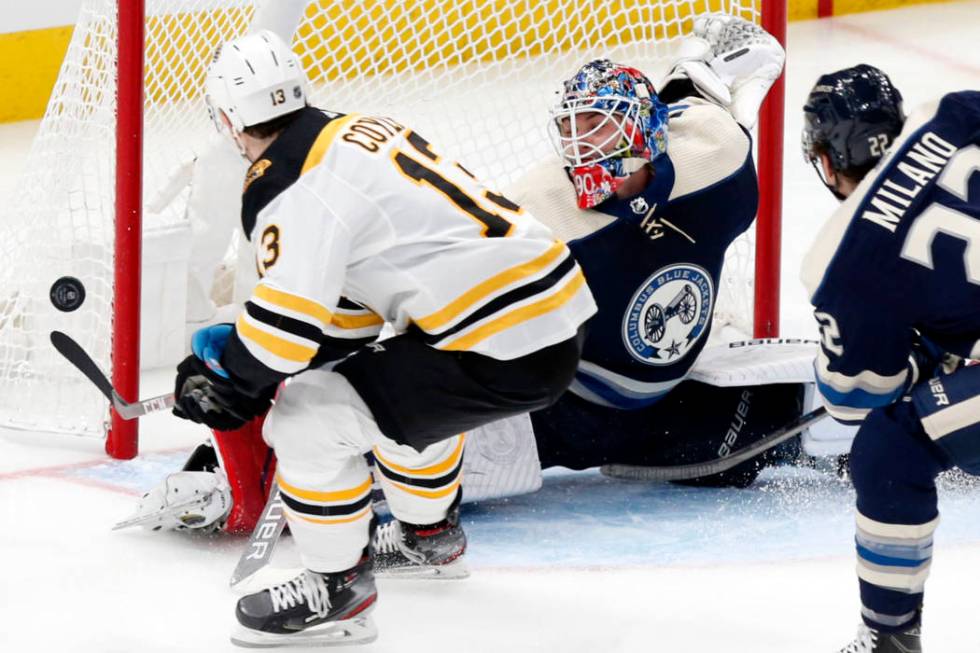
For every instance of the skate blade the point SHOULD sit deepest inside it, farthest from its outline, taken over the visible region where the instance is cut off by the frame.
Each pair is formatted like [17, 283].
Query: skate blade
[455, 570]
[349, 632]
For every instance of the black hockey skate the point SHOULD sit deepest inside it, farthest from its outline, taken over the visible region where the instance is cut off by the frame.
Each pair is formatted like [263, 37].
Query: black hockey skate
[312, 609]
[869, 640]
[403, 550]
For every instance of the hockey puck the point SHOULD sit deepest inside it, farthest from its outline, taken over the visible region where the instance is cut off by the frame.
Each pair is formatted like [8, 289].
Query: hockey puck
[67, 294]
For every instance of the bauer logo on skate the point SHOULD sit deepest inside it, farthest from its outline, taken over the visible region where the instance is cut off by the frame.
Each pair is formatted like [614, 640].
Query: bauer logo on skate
[668, 314]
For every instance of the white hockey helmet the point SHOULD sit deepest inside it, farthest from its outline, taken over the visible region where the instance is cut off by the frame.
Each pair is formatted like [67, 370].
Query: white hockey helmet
[253, 79]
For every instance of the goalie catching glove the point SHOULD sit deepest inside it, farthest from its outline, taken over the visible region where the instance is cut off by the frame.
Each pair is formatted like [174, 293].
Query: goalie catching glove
[203, 391]
[731, 62]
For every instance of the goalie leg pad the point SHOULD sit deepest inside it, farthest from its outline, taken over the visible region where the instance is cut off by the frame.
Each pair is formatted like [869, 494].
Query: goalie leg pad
[501, 460]
[250, 466]
[695, 423]
[186, 500]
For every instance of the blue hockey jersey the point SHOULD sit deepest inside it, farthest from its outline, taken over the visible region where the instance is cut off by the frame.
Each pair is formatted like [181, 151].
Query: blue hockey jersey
[899, 258]
[653, 262]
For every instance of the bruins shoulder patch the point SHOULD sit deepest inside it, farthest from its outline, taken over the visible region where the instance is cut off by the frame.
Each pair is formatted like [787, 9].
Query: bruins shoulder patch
[255, 171]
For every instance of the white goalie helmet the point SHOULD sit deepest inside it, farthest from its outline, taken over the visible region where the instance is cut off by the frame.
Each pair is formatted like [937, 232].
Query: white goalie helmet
[253, 79]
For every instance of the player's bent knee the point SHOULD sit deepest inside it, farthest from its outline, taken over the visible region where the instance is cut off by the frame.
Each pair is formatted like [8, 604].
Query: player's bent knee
[892, 458]
[318, 419]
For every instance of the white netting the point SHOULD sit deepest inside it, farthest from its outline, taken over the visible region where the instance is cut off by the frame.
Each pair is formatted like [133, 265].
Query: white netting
[475, 76]
[60, 220]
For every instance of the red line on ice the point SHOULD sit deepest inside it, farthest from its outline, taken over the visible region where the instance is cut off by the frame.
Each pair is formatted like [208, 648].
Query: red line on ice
[64, 472]
[905, 46]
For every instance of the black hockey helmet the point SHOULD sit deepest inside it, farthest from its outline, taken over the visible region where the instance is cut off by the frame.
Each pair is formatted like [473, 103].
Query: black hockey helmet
[853, 115]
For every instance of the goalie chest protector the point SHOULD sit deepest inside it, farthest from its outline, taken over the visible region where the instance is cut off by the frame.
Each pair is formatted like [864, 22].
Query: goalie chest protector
[654, 261]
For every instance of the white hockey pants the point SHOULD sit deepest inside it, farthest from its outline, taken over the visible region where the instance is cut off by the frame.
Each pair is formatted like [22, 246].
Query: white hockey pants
[321, 429]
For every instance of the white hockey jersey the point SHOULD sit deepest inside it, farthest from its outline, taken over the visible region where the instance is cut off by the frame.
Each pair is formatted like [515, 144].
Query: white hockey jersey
[357, 221]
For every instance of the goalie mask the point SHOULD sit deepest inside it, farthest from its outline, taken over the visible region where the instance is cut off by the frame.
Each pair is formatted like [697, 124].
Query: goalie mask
[853, 116]
[252, 80]
[608, 124]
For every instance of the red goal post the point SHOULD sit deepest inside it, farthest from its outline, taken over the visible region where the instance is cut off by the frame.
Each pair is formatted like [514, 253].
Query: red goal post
[768, 226]
[475, 76]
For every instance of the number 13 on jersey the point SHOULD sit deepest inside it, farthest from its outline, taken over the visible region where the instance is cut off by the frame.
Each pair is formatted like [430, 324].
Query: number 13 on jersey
[424, 171]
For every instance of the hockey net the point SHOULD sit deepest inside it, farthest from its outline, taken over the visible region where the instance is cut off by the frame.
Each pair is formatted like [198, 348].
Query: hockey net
[475, 76]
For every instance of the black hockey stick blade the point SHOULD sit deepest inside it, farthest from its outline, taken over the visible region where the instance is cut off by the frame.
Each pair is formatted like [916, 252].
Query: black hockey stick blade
[78, 357]
[74, 354]
[711, 467]
[263, 540]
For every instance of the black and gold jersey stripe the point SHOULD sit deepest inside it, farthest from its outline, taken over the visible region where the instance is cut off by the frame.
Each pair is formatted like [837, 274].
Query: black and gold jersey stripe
[546, 303]
[435, 321]
[501, 302]
[483, 311]
[282, 333]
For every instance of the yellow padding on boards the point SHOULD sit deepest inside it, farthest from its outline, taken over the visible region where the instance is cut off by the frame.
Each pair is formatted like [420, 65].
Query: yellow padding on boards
[353, 33]
[431, 470]
[353, 38]
[857, 6]
[325, 497]
[29, 65]
[179, 49]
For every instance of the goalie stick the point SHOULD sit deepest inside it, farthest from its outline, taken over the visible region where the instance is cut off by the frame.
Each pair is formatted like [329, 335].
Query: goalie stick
[711, 467]
[262, 542]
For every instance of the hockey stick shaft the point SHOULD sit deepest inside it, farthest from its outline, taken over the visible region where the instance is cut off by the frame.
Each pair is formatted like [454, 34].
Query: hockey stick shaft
[709, 468]
[263, 540]
[74, 354]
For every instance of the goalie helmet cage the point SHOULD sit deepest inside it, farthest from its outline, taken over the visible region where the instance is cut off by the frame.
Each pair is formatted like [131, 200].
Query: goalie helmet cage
[474, 76]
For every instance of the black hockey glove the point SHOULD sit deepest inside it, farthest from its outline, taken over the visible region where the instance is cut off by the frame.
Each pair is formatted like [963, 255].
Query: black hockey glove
[204, 397]
[204, 393]
[927, 360]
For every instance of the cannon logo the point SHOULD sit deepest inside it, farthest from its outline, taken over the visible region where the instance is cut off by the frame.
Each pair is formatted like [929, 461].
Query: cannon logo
[668, 314]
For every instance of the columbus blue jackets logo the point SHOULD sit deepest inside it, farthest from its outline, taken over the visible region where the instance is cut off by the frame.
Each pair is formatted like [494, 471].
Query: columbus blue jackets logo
[668, 314]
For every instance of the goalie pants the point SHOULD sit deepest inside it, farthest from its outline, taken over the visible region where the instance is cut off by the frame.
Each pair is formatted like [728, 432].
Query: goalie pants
[694, 423]
[895, 459]
[410, 405]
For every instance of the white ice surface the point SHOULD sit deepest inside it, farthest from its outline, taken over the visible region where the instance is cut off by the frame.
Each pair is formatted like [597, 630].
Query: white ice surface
[585, 565]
